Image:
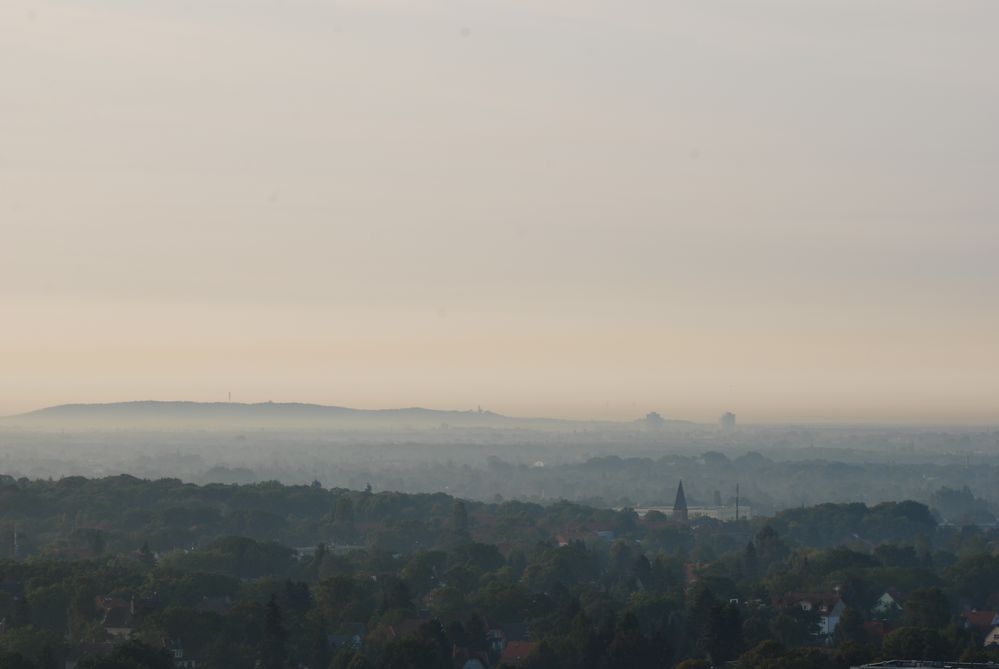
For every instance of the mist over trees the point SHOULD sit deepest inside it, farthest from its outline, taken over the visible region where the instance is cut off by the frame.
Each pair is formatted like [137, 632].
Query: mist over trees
[612, 465]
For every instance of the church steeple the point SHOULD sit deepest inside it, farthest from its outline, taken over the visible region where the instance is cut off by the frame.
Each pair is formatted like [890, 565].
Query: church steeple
[680, 505]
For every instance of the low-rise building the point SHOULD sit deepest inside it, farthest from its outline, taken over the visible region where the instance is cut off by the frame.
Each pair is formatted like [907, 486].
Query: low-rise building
[888, 603]
[828, 605]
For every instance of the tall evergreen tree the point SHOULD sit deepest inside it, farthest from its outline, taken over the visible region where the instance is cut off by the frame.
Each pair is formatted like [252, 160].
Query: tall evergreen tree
[22, 611]
[273, 649]
[319, 654]
[850, 629]
[459, 518]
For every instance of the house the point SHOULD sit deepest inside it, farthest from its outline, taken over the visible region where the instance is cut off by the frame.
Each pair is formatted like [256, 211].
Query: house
[830, 618]
[498, 637]
[982, 621]
[350, 635]
[888, 603]
[180, 661]
[118, 622]
[495, 641]
[465, 658]
[992, 638]
[474, 663]
[516, 652]
[117, 615]
[104, 603]
[691, 572]
[828, 605]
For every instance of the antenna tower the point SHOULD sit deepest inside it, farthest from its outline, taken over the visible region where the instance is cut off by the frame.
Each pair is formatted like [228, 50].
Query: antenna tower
[737, 502]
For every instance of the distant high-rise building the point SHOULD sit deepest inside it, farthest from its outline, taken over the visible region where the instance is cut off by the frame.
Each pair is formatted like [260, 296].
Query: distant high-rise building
[727, 420]
[654, 420]
[680, 505]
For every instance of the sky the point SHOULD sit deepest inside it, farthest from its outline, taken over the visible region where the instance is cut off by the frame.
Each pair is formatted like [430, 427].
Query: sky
[571, 208]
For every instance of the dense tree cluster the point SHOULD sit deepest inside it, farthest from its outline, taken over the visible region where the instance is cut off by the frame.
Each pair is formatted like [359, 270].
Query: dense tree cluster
[149, 571]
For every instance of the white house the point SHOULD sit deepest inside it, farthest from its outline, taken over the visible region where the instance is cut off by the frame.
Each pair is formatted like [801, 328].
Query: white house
[886, 604]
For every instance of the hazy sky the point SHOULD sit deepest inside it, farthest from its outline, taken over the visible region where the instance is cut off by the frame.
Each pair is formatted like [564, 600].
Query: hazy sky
[788, 209]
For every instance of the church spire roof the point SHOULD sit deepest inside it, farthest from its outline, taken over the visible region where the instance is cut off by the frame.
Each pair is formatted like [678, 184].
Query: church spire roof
[680, 505]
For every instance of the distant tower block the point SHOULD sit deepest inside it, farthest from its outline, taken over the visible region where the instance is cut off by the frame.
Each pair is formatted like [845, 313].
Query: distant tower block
[727, 420]
[680, 505]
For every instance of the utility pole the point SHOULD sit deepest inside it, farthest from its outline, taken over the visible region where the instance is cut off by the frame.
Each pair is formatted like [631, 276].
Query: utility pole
[737, 502]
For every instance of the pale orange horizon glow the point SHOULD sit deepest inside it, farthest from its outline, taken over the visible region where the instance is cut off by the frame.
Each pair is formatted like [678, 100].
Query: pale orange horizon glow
[575, 209]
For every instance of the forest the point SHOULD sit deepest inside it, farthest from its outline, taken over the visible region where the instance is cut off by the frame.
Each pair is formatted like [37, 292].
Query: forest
[127, 572]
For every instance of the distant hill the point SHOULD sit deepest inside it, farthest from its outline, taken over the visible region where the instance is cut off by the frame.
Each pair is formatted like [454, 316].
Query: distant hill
[222, 415]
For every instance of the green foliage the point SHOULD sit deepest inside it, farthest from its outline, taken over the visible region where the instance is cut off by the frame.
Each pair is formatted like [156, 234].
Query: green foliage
[427, 649]
[273, 650]
[130, 655]
[234, 556]
[693, 664]
[828, 525]
[914, 643]
[927, 608]
[39, 647]
[975, 577]
[961, 506]
[850, 629]
[233, 601]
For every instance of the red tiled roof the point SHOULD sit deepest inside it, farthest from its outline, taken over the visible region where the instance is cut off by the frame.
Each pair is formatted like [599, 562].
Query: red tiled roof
[517, 651]
[980, 620]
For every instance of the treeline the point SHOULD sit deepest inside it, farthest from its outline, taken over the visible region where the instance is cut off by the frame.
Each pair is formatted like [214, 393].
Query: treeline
[75, 517]
[776, 467]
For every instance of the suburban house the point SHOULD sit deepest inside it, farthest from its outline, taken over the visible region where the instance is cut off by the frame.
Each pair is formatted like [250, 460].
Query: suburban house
[828, 605]
[499, 636]
[117, 615]
[981, 621]
[474, 663]
[350, 635]
[465, 658]
[992, 638]
[888, 603]
[180, 661]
